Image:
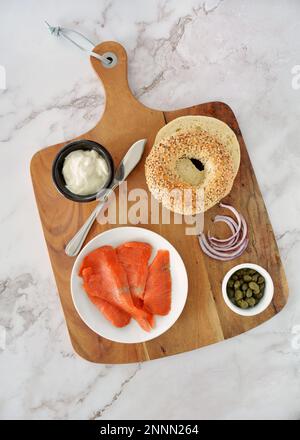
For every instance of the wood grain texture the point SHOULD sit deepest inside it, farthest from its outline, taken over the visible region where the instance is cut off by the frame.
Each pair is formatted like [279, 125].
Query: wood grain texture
[206, 319]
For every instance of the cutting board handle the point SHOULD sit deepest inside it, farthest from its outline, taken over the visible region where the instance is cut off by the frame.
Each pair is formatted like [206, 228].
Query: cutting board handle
[124, 119]
[114, 79]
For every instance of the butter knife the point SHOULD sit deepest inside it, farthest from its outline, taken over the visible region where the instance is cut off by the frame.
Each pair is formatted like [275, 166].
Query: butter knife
[128, 163]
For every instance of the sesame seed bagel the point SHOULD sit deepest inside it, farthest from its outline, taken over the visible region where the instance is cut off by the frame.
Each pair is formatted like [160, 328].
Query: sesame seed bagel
[190, 171]
[214, 127]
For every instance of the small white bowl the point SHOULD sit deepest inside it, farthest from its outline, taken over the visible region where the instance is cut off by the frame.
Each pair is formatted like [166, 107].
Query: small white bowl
[266, 299]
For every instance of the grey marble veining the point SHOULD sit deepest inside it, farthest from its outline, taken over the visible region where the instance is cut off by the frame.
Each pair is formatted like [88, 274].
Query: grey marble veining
[180, 54]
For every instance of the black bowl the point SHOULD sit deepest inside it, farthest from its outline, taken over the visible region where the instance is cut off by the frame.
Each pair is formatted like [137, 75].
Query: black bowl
[58, 164]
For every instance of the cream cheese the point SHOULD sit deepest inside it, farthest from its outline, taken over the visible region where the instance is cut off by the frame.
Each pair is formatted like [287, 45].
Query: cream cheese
[85, 172]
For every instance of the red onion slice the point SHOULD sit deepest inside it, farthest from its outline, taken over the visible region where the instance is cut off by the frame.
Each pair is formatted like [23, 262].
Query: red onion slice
[223, 257]
[224, 252]
[229, 221]
[231, 247]
[233, 227]
[239, 223]
[238, 239]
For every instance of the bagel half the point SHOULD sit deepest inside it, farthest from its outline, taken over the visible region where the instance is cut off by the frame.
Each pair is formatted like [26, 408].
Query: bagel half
[173, 163]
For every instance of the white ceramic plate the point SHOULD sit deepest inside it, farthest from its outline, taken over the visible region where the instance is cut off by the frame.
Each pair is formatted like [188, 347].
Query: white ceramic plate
[132, 333]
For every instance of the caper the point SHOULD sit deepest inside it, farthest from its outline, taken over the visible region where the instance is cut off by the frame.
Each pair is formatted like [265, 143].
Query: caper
[249, 293]
[247, 278]
[234, 277]
[251, 302]
[255, 277]
[230, 292]
[244, 286]
[251, 271]
[253, 286]
[238, 295]
[260, 280]
[258, 295]
[230, 283]
[243, 304]
[237, 284]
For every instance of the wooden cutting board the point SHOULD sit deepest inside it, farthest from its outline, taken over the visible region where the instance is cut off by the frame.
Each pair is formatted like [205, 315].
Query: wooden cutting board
[206, 319]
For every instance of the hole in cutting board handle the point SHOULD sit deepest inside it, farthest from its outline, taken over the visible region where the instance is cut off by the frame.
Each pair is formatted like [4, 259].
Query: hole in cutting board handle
[112, 57]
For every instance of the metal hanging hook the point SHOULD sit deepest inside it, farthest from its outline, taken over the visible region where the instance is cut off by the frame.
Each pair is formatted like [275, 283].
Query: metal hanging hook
[79, 39]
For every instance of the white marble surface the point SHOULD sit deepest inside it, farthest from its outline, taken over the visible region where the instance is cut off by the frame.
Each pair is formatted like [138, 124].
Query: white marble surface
[180, 53]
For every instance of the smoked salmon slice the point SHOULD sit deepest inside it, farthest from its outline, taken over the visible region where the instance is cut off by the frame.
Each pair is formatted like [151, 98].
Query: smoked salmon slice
[107, 280]
[157, 297]
[134, 257]
[116, 316]
[93, 260]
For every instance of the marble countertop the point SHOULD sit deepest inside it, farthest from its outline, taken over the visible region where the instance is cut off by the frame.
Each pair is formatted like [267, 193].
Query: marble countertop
[180, 54]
